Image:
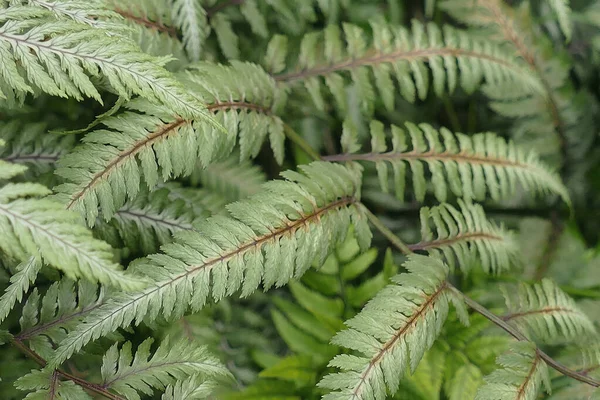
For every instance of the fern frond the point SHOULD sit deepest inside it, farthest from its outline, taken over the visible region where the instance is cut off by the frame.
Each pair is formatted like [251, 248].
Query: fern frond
[30, 144]
[392, 332]
[129, 374]
[466, 238]
[47, 319]
[563, 12]
[231, 178]
[105, 171]
[468, 166]
[151, 27]
[397, 52]
[194, 388]
[19, 285]
[42, 227]
[46, 384]
[190, 17]
[544, 311]
[521, 377]
[271, 237]
[149, 221]
[89, 12]
[59, 56]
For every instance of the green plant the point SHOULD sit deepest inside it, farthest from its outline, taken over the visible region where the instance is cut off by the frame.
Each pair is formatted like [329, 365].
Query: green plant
[163, 159]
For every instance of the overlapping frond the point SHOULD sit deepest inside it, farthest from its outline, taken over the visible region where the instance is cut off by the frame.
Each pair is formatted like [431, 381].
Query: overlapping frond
[88, 12]
[454, 58]
[47, 319]
[466, 238]
[153, 145]
[194, 388]
[545, 312]
[469, 166]
[189, 16]
[230, 178]
[151, 220]
[59, 57]
[271, 237]
[45, 384]
[41, 227]
[19, 285]
[151, 26]
[521, 377]
[130, 374]
[30, 144]
[392, 332]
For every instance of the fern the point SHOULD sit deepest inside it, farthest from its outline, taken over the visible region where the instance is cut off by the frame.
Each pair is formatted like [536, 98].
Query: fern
[465, 238]
[19, 284]
[520, 379]
[150, 137]
[468, 166]
[126, 374]
[41, 227]
[190, 17]
[547, 313]
[402, 54]
[47, 319]
[392, 332]
[46, 384]
[32, 64]
[284, 226]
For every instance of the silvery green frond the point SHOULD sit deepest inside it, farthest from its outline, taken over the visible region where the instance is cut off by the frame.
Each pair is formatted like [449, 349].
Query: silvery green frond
[189, 16]
[270, 237]
[230, 178]
[562, 10]
[42, 227]
[466, 238]
[392, 332]
[30, 144]
[194, 388]
[19, 285]
[89, 12]
[59, 57]
[521, 377]
[45, 384]
[151, 220]
[46, 319]
[471, 167]
[548, 314]
[131, 373]
[151, 26]
[454, 58]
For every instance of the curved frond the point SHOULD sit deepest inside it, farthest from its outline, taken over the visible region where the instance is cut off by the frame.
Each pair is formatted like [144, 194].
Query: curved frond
[271, 237]
[47, 319]
[454, 58]
[156, 145]
[42, 227]
[466, 238]
[128, 373]
[547, 313]
[19, 285]
[520, 378]
[30, 144]
[190, 17]
[59, 57]
[469, 166]
[149, 221]
[392, 332]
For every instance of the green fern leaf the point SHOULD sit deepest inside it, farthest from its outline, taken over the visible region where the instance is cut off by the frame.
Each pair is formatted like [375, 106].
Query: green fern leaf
[190, 18]
[468, 166]
[128, 374]
[271, 237]
[547, 313]
[47, 319]
[194, 388]
[396, 52]
[19, 284]
[42, 227]
[157, 145]
[392, 332]
[521, 377]
[36, 47]
[563, 12]
[46, 384]
[466, 238]
[89, 12]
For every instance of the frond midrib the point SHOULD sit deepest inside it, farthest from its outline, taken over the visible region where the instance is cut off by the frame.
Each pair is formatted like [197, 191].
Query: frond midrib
[455, 239]
[146, 22]
[429, 302]
[381, 58]
[140, 215]
[274, 235]
[522, 388]
[543, 310]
